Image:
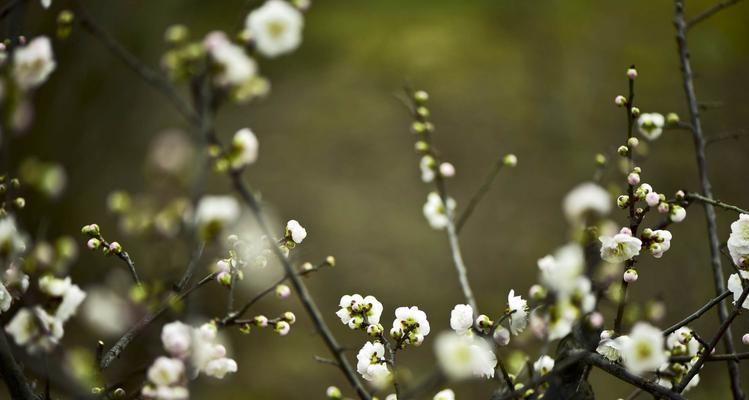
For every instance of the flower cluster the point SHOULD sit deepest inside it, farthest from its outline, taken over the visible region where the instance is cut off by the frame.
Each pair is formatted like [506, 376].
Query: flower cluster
[192, 351]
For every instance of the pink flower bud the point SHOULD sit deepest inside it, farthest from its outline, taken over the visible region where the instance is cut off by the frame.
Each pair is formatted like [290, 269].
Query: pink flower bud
[626, 231]
[596, 320]
[652, 199]
[633, 179]
[630, 275]
[447, 170]
[745, 339]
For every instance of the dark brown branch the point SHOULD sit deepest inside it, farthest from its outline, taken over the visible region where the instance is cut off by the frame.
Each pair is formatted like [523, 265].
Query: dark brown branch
[482, 190]
[148, 75]
[697, 313]
[714, 341]
[622, 374]
[15, 381]
[710, 12]
[716, 203]
[705, 187]
[122, 343]
[713, 357]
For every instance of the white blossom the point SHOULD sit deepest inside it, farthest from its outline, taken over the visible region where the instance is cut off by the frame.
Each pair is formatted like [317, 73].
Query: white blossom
[683, 342]
[217, 211]
[661, 243]
[461, 318]
[612, 348]
[651, 125]
[371, 363]
[462, 356]
[234, 66]
[106, 311]
[517, 308]
[426, 164]
[33, 63]
[218, 368]
[412, 322]
[644, 351]
[738, 241]
[244, 148]
[735, 286]
[165, 392]
[296, 231]
[176, 338]
[166, 371]
[26, 329]
[206, 355]
[543, 365]
[12, 241]
[445, 394]
[559, 272]
[357, 310]
[619, 248]
[434, 210]
[276, 27]
[584, 199]
[54, 287]
[72, 298]
[677, 213]
[5, 298]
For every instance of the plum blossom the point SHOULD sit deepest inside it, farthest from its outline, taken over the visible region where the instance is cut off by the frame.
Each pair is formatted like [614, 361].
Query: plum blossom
[244, 148]
[106, 311]
[12, 242]
[621, 247]
[33, 63]
[215, 212]
[371, 363]
[462, 357]
[276, 28]
[176, 338]
[644, 351]
[738, 241]
[543, 365]
[233, 66]
[584, 199]
[611, 348]
[207, 356]
[426, 164]
[71, 300]
[559, 272]
[683, 342]
[660, 242]
[677, 213]
[166, 371]
[517, 308]
[651, 125]
[412, 322]
[5, 298]
[445, 394]
[434, 210]
[296, 231]
[26, 329]
[736, 287]
[357, 311]
[461, 319]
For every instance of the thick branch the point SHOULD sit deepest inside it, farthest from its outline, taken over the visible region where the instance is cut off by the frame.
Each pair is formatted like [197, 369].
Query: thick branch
[705, 186]
[18, 386]
[622, 374]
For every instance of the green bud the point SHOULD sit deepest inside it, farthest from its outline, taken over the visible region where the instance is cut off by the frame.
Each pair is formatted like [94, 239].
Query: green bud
[245, 329]
[510, 160]
[330, 260]
[623, 151]
[19, 202]
[421, 146]
[421, 96]
[672, 118]
[422, 111]
[600, 159]
[176, 34]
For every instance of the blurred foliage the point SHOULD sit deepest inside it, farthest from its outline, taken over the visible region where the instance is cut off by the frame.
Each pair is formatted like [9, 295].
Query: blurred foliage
[530, 77]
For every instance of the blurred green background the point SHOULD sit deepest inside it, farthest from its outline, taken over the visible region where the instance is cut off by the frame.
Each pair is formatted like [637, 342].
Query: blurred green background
[536, 78]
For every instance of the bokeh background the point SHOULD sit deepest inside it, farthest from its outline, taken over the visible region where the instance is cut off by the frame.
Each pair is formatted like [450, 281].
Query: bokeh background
[536, 78]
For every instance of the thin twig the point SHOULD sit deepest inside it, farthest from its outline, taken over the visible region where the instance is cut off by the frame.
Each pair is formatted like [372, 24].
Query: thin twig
[131, 334]
[710, 12]
[713, 357]
[716, 203]
[697, 313]
[191, 267]
[151, 77]
[705, 187]
[482, 190]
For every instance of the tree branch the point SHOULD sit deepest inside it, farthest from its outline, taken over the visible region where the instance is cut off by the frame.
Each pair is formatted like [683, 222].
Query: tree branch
[482, 190]
[11, 373]
[716, 203]
[697, 313]
[622, 374]
[710, 12]
[706, 187]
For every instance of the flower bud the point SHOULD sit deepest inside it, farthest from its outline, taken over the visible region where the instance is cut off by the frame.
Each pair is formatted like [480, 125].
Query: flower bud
[176, 34]
[626, 231]
[245, 329]
[623, 151]
[283, 291]
[622, 201]
[261, 321]
[680, 195]
[620, 100]
[375, 330]
[510, 160]
[633, 142]
[633, 179]
[447, 170]
[422, 112]
[224, 278]
[421, 146]
[677, 213]
[501, 336]
[483, 322]
[607, 334]
[652, 199]
[282, 328]
[745, 339]
[596, 320]
[421, 96]
[91, 230]
[93, 243]
[537, 292]
[115, 248]
[635, 112]
[418, 127]
[632, 73]
[289, 317]
[333, 393]
[630, 275]
[600, 159]
[330, 260]
[672, 118]
[19, 202]
[663, 208]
